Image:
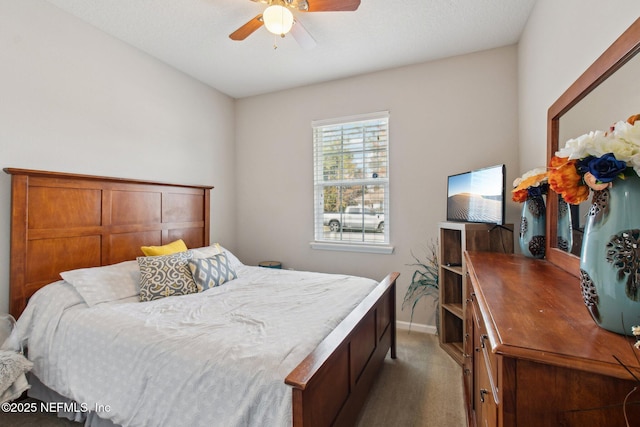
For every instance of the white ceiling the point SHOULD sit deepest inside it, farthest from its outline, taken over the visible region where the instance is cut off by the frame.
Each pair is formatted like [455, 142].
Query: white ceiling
[192, 36]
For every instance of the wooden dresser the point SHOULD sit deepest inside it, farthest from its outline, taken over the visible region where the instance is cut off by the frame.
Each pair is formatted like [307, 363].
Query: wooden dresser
[533, 355]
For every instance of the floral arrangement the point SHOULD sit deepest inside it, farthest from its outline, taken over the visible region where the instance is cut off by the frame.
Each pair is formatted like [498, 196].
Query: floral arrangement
[595, 160]
[531, 184]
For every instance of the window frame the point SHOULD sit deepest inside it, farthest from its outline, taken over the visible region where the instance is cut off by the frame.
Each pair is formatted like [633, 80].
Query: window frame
[319, 183]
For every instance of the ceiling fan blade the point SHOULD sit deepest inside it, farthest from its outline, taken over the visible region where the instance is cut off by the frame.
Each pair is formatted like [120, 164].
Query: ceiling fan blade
[333, 5]
[247, 29]
[302, 36]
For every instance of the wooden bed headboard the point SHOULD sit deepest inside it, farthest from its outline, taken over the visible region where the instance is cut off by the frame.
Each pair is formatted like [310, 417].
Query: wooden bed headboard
[62, 221]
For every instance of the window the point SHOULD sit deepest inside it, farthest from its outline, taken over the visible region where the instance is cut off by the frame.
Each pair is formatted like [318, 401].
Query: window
[351, 182]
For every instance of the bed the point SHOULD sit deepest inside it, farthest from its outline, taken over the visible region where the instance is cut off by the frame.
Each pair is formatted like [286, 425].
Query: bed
[68, 222]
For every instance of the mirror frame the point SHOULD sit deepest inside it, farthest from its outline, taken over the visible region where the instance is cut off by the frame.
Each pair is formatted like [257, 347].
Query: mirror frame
[618, 54]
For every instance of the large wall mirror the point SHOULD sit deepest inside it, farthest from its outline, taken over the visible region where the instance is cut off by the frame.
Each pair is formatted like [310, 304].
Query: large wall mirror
[607, 92]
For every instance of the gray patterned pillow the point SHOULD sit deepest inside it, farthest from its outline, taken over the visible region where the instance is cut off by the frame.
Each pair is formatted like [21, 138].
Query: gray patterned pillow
[211, 272]
[165, 275]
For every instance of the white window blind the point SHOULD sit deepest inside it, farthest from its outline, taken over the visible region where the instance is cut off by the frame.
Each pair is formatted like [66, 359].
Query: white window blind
[351, 179]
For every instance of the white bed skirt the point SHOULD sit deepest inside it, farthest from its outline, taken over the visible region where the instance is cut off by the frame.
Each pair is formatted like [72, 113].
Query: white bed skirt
[45, 394]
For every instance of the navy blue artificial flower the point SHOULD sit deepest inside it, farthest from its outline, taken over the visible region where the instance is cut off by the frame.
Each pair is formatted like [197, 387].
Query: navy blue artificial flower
[606, 168]
[538, 190]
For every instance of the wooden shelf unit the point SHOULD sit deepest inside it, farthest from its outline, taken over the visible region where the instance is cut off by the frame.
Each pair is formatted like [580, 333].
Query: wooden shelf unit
[454, 239]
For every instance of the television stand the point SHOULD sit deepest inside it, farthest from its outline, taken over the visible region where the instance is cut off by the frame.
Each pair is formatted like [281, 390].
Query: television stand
[454, 239]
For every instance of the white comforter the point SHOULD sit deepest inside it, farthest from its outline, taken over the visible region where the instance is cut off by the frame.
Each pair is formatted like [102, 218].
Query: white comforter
[218, 358]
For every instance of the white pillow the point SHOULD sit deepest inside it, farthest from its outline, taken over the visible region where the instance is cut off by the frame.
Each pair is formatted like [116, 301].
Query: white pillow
[207, 251]
[215, 249]
[233, 260]
[107, 283]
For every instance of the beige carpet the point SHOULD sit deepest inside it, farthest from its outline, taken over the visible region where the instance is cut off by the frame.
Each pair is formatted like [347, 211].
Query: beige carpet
[421, 388]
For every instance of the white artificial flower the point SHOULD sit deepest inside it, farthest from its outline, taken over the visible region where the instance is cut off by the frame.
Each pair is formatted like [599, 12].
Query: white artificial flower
[634, 162]
[582, 146]
[628, 132]
[623, 142]
[534, 172]
[529, 174]
[620, 148]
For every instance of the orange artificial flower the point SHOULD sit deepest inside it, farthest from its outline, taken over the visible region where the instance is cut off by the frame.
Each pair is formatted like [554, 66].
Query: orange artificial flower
[565, 180]
[521, 192]
[519, 195]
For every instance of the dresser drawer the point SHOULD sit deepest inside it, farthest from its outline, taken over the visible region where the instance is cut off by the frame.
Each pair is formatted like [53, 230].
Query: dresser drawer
[486, 393]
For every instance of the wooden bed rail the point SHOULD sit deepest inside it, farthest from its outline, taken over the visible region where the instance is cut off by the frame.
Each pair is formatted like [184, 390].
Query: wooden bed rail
[330, 386]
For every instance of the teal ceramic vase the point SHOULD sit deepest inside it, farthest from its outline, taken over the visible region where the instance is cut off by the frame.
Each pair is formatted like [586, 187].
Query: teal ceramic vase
[610, 256]
[565, 226]
[532, 227]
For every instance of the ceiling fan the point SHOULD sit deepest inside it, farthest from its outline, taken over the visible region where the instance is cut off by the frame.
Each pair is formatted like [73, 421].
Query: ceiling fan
[278, 19]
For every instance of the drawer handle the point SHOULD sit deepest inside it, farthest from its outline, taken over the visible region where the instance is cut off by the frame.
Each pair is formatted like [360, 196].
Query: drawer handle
[483, 391]
[485, 352]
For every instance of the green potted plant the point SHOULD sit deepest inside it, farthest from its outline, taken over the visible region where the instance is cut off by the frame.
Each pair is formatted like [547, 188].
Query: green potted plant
[424, 282]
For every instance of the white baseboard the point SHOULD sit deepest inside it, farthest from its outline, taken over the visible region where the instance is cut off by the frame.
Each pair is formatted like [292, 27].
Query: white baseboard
[417, 327]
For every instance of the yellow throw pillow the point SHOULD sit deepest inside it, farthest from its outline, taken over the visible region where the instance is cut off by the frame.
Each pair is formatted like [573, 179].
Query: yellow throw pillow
[168, 249]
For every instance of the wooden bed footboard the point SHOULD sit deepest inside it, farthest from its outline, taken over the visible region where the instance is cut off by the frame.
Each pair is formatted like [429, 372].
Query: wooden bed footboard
[331, 384]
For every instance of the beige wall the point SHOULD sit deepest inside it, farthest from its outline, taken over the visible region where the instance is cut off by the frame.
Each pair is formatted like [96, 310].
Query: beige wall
[445, 117]
[561, 40]
[75, 100]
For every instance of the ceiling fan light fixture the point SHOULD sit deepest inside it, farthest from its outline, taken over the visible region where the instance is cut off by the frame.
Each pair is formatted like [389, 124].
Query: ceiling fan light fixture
[278, 19]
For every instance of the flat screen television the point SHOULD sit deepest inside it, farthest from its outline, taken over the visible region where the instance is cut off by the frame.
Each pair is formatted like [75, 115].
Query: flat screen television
[477, 195]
